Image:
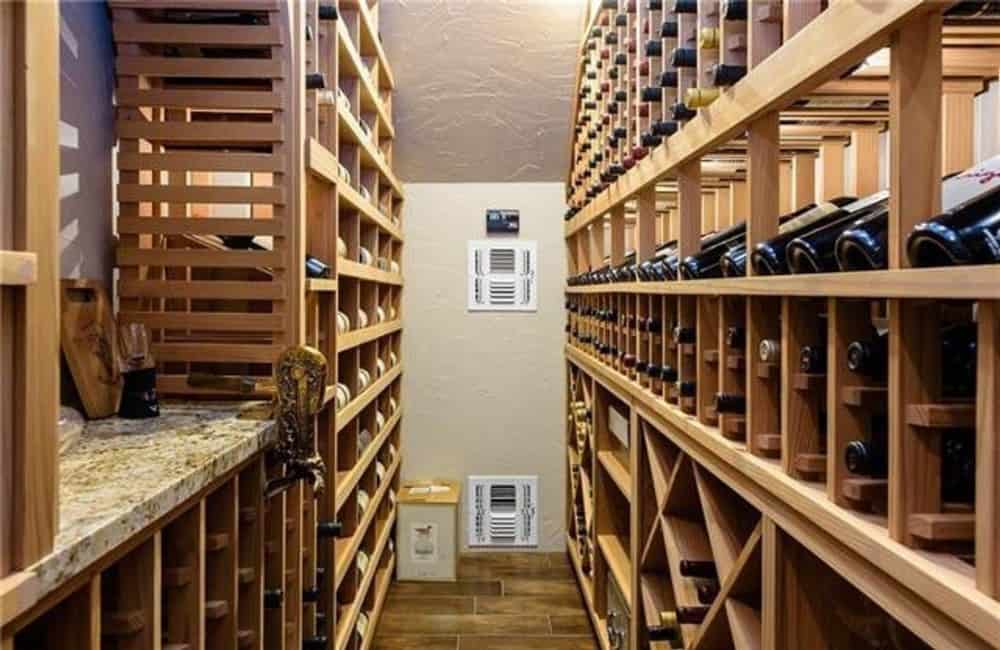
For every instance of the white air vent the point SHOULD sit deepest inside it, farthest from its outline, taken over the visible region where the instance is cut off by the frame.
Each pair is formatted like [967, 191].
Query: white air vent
[502, 276]
[503, 511]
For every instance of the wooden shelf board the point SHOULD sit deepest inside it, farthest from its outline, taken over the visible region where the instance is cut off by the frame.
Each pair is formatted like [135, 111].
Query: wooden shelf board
[351, 133]
[383, 580]
[950, 609]
[345, 625]
[354, 338]
[344, 559]
[744, 576]
[348, 479]
[317, 285]
[864, 489]
[619, 473]
[370, 44]
[616, 555]
[370, 98]
[771, 85]
[587, 588]
[952, 282]
[808, 381]
[18, 269]
[347, 268]
[323, 163]
[941, 416]
[943, 527]
[745, 625]
[356, 405]
[863, 395]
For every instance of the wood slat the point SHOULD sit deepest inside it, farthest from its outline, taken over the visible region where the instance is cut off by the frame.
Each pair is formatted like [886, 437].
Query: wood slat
[180, 34]
[179, 98]
[18, 268]
[201, 194]
[203, 68]
[223, 259]
[216, 353]
[200, 226]
[183, 161]
[221, 321]
[221, 290]
[201, 132]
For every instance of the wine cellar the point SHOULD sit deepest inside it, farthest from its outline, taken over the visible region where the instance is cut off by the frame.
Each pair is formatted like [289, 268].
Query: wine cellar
[780, 380]
[755, 243]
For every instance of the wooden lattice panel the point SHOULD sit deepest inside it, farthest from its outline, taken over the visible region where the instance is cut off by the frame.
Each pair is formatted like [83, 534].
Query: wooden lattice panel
[204, 127]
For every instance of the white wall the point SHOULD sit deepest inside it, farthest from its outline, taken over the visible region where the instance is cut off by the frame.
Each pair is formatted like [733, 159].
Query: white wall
[482, 391]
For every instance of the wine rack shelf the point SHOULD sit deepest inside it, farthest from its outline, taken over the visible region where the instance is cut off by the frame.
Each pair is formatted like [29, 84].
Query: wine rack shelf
[258, 209]
[794, 431]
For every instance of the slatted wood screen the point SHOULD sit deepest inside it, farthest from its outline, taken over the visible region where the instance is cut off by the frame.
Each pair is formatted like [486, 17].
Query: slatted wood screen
[205, 129]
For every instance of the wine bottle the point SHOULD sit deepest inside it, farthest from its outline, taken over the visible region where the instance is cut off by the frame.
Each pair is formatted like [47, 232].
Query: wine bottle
[609, 4]
[328, 11]
[698, 568]
[684, 57]
[734, 262]
[684, 334]
[974, 9]
[316, 268]
[730, 403]
[734, 9]
[310, 595]
[668, 79]
[685, 6]
[958, 361]
[654, 49]
[869, 358]
[652, 94]
[669, 373]
[318, 642]
[686, 388]
[736, 337]
[812, 359]
[867, 457]
[315, 81]
[668, 29]
[621, 20]
[964, 234]
[725, 74]
[708, 38]
[958, 466]
[273, 598]
[329, 529]
[768, 257]
[816, 251]
[707, 590]
[664, 128]
[692, 615]
[769, 351]
[668, 629]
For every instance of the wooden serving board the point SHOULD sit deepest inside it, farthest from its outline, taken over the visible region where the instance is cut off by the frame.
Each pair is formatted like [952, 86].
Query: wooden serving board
[88, 342]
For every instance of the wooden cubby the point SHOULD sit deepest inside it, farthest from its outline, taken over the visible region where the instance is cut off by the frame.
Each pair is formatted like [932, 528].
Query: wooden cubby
[765, 491]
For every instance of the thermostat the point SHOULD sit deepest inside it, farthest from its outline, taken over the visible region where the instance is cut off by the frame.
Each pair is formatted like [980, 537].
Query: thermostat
[503, 221]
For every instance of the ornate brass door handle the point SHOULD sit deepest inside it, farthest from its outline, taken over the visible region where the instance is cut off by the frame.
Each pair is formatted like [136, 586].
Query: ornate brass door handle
[300, 382]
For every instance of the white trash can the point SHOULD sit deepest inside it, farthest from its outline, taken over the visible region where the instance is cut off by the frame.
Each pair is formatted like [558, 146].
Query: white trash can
[427, 531]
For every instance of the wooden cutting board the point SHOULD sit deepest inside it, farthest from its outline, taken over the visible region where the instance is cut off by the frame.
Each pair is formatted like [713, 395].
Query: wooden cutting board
[88, 343]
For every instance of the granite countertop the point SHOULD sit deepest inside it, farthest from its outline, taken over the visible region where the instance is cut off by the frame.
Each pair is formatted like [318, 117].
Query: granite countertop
[119, 476]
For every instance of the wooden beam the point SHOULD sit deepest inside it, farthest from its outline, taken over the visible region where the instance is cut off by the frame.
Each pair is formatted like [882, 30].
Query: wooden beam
[803, 180]
[957, 135]
[689, 208]
[988, 449]
[865, 161]
[763, 181]
[646, 224]
[831, 177]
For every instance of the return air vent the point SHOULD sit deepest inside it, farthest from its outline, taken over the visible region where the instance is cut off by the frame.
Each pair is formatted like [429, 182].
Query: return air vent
[502, 276]
[503, 511]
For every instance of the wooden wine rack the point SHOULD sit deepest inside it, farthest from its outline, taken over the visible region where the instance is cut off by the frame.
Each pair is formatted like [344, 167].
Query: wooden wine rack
[766, 494]
[219, 136]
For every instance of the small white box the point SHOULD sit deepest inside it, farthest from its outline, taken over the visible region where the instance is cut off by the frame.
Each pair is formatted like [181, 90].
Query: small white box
[427, 531]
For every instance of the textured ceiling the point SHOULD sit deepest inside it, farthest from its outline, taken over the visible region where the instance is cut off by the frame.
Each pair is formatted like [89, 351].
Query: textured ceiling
[482, 87]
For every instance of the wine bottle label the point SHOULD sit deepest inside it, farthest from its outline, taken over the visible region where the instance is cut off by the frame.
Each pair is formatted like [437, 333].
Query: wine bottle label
[970, 183]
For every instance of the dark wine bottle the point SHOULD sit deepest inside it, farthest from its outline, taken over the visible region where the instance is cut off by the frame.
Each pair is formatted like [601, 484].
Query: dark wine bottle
[684, 57]
[730, 403]
[973, 10]
[958, 466]
[668, 29]
[310, 595]
[724, 74]
[315, 81]
[734, 262]
[669, 373]
[685, 6]
[698, 569]
[664, 128]
[609, 4]
[812, 359]
[734, 9]
[814, 250]
[965, 234]
[652, 94]
[318, 642]
[621, 20]
[330, 529]
[686, 388]
[869, 358]
[863, 246]
[768, 257]
[707, 590]
[316, 268]
[958, 361]
[328, 11]
[273, 598]
[668, 79]
[654, 49]
[867, 457]
[736, 337]
[684, 334]
[668, 630]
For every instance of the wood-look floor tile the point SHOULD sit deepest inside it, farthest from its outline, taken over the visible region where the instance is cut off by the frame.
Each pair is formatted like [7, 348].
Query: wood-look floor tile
[573, 623]
[422, 604]
[400, 624]
[538, 587]
[416, 642]
[460, 588]
[550, 604]
[526, 643]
